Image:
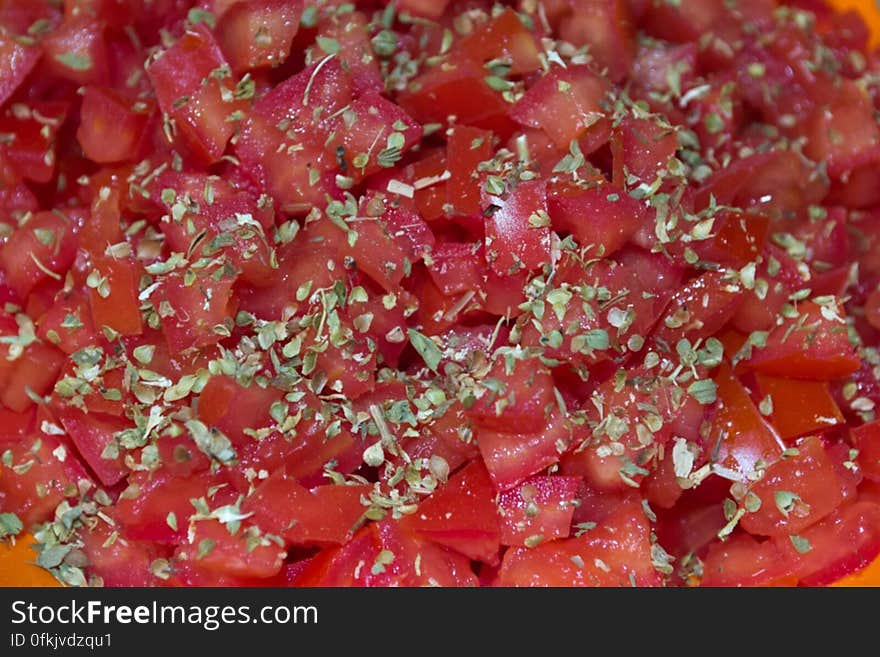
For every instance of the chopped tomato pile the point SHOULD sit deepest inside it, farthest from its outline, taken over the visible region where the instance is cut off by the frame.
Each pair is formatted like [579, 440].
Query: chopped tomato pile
[439, 292]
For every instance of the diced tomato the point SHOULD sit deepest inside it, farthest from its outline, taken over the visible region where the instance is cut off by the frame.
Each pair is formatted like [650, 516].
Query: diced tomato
[77, 51]
[194, 87]
[504, 37]
[465, 149]
[114, 298]
[233, 408]
[616, 553]
[798, 407]
[306, 453]
[258, 34]
[198, 311]
[216, 550]
[32, 376]
[68, 324]
[512, 457]
[363, 139]
[461, 514]
[795, 492]
[455, 89]
[16, 62]
[326, 515]
[281, 142]
[602, 216]
[351, 32]
[698, 310]
[93, 434]
[110, 128]
[844, 135]
[385, 555]
[867, 440]
[843, 542]
[516, 397]
[517, 233]
[116, 561]
[40, 249]
[36, 466]
[678, 23]
[31, 153]
[540, 508]
[159, 507]
[608, 29]
[740, 441]
[813, 345]
[554, 100]
[641, 148]
[743, 561]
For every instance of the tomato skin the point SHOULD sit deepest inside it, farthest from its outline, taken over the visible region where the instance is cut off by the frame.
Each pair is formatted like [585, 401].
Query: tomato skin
[539, 506]
[621, 543]
[258, 34]
[461, 515]
[817, 349]
[16, 62]
[109, 130]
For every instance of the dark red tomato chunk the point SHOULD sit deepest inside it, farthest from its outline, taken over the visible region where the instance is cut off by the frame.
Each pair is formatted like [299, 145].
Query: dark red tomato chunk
[420, 293]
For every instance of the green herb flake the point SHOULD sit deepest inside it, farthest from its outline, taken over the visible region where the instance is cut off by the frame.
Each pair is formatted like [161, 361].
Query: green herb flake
[10, 525]
[75, 61]
[801, 544]
[426, 348]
